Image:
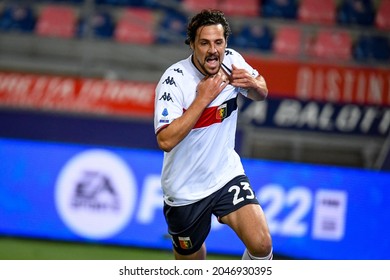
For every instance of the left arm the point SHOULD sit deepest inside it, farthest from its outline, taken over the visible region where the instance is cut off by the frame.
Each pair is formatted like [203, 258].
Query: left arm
[257, 87]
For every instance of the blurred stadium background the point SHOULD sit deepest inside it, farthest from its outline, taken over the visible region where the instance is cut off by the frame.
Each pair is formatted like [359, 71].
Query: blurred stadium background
[83, 72]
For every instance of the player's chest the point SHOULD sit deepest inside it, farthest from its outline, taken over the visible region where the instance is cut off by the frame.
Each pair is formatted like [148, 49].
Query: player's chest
[189, 94]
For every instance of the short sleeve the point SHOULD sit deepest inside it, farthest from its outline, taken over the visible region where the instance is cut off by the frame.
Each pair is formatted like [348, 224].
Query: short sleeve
[168, 101]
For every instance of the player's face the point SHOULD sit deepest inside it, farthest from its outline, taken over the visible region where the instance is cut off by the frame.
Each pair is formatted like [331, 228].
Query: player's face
[209, 49]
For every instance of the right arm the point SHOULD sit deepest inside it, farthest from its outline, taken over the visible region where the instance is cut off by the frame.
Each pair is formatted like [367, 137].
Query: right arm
[207, 90]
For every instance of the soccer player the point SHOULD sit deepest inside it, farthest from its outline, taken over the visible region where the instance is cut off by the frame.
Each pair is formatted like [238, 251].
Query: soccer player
[195, 123]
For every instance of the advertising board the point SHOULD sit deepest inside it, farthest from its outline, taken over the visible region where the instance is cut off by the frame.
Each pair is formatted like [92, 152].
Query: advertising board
[109, 195]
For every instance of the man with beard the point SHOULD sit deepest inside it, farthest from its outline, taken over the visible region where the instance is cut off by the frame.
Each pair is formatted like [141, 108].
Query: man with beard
[195, 124]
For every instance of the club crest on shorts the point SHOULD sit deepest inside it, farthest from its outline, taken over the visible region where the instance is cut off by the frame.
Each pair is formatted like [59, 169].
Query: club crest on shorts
[185, 242]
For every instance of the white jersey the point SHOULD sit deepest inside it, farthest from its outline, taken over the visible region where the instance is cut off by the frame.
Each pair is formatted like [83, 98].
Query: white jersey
[205, 160]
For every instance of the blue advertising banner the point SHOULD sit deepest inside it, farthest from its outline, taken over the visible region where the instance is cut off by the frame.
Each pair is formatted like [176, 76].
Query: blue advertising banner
[287, 113]
[113, 196]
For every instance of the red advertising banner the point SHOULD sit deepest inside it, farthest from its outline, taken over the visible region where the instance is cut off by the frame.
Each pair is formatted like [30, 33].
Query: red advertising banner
[285, 79]
[69, 94]
[325, 82]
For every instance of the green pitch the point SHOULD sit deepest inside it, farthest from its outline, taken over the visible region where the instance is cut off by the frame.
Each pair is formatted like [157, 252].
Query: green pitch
[33, 249]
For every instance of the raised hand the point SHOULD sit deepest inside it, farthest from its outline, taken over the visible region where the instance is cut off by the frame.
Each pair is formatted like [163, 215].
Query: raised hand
[210, 87]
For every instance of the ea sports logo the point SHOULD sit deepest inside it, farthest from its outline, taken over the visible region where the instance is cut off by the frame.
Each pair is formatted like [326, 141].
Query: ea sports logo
[95, 194]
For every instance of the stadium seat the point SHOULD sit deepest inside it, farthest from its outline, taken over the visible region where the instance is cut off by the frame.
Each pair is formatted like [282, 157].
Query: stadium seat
[253, 36]
[194, 6]
[56, 21]
[63, 1]
[279, 9]
[250, 8]
[229, 7]
[172, 28]
[382, 19]
[136, 26]
[319, 12]
[171, 5]
[331, 44]
[288, 40]
[124, 3]
[17, 17]
[372, 48]
[100, 24]
[361, 12]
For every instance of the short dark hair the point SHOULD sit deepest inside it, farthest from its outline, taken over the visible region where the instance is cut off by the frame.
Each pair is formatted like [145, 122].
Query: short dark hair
[204, 18]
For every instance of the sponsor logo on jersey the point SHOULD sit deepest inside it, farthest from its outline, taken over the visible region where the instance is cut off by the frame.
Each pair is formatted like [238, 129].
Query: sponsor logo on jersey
[164, 118]
[228, 52]
[178, 70]
[166, 97]
[170, 81]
